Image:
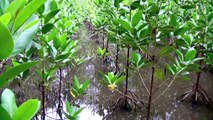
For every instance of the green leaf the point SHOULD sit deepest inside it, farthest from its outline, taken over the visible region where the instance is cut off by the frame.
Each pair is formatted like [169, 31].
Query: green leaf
[68, 107]
[173, 20]
[136, 18]
[24, 39]
[14, 71]
[47, 28]
[78, 112]
[53, 5]
[27, 110]
[6, 42]
[135, 57]
[5, 19]
[165, 51]
[159, 74]
[190, 54]
[144, 33]
[135, 5]
[153, 9]
[85, 84]
[180, 31]
[26, 13]
[117, 2]
[210, 55]
[187, 6]
[180, 55]
[8, 101]
[125, 24]
[31, 24]
[50, 15]
[120, 80]
[76, 82]
[15, 6]
[4, 114]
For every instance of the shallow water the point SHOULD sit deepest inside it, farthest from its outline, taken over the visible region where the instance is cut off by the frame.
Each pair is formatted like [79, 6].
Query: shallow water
[98, 100]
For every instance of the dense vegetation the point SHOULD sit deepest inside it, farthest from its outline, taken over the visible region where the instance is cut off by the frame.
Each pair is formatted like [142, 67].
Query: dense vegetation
[172, 39]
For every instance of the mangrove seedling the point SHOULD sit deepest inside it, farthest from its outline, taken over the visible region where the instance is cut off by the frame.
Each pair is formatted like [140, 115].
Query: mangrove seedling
[72, 112]
[78, 89]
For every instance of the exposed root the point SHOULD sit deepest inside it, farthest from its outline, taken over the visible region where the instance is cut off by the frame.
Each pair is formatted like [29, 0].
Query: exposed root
[198, 95]
[128, 101]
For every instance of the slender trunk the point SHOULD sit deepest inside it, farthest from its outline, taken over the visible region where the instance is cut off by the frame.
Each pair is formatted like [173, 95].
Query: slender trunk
[150, 94]
[127, 67]
[43, 92]
[198, 80]
[103, 39]
[59, 93]
[116, 61]
[43, 101]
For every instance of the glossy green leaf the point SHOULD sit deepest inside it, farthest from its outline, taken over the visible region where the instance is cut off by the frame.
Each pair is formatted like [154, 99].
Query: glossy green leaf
[8, 101]
[125, 24]
[165, 51]
[153, 9]
[144, 33]
[76, 82]
[24, 39]
[26, 13]
[85, 84]
[27, 110]
[31, 24]
[117, 2]
[50, 15]
[77, 111]
[180, 31]
[53, 5]
[15, 6]
[5, 19]
[135, 57]
[120, 80]
[4, 114]
[187, 6]
[6, 42]
[47, 28]
[136, 18]
[14, 71]
[209, 55]
[180, 55]
[190, 54]
[135, 5]
[173, 20]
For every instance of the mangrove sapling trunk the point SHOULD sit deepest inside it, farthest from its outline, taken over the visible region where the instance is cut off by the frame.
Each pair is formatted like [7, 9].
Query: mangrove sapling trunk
[103, 39]
[150, 94]
[60, 105]
[43, 92]
[116, 60]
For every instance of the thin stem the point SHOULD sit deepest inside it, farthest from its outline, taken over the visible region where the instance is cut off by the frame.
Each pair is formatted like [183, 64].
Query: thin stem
[127, 67]
[103, 38]
[116, 61]
[165, 89]
[43, 91]
[150, 95]
[143, 82]
[59, 93]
